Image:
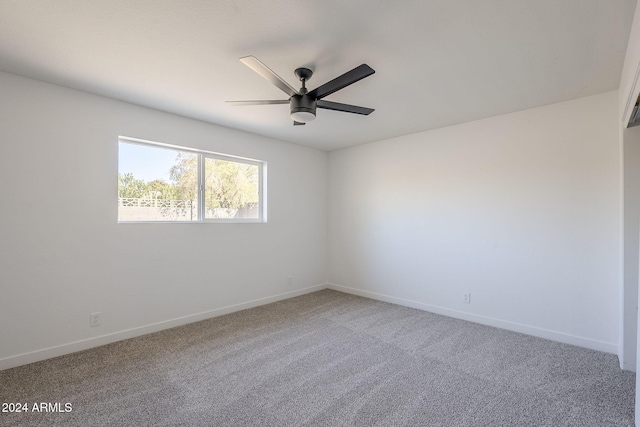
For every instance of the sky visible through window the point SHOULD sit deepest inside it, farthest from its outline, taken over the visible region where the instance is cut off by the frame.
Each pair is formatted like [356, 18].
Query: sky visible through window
[146, 163]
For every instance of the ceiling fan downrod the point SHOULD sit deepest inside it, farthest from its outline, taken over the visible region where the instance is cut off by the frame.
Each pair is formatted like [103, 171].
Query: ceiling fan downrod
[303, 106]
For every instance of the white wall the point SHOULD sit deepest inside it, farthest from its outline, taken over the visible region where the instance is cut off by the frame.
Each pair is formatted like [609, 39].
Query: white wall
[58, 154]
[521, 210]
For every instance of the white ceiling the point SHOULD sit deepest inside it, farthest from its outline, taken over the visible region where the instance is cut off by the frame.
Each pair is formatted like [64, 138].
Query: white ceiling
[437, 62]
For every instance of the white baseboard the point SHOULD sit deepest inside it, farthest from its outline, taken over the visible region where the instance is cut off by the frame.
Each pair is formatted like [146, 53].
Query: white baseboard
[503, 324]
[60, 350]
[628, 366]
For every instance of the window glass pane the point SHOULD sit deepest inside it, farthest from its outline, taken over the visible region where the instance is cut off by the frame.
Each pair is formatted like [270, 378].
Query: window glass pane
[156, 184]
[231, 189]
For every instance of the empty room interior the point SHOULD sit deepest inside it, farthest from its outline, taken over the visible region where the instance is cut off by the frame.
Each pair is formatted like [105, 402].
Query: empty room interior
[319, 212]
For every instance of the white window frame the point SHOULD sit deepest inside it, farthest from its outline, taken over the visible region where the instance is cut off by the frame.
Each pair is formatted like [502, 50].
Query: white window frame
[202, 154]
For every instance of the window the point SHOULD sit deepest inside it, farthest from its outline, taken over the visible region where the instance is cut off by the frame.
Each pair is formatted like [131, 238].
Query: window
[165, 183]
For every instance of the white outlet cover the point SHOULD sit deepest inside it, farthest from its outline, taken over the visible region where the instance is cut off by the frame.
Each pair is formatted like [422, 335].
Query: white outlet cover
[94, 319]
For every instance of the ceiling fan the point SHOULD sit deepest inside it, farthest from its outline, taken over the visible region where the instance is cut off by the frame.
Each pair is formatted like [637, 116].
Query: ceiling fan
[303, 103]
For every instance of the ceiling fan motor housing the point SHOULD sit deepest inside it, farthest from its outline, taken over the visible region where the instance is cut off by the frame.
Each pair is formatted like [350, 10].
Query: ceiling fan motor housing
[303, 108]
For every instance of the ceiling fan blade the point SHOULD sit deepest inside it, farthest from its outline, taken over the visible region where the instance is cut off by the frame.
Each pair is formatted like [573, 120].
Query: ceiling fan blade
[342, 81]
[256, 65]
[337, 106]
[298, 123]
[265, 102]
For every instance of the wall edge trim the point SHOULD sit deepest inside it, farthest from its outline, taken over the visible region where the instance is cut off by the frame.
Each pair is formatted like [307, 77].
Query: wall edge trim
[86, 344]
[484, 320]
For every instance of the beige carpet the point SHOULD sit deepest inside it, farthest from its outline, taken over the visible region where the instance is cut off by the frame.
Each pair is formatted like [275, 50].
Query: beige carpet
[326, 359]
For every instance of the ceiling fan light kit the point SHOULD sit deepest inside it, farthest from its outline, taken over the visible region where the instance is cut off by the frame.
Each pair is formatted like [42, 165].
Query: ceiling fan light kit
[303, 103]
[303, 108]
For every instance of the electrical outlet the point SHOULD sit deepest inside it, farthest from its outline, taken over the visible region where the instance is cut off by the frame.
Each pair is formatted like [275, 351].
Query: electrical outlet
[94, 319]
[466, 298]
